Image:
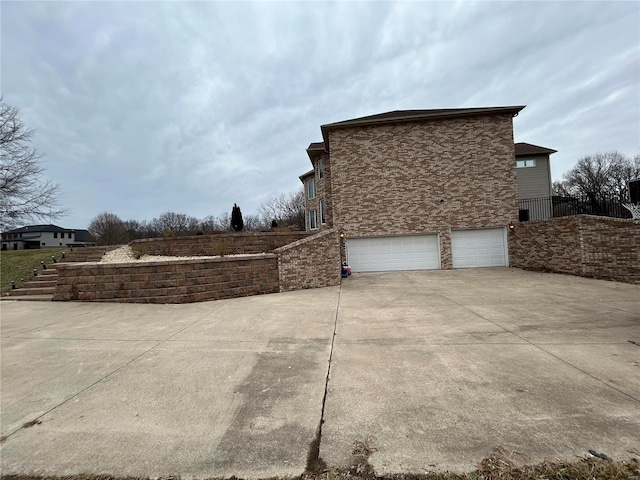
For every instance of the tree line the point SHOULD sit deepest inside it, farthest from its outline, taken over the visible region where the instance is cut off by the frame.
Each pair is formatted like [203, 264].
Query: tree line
[284, 212]
[601, 175]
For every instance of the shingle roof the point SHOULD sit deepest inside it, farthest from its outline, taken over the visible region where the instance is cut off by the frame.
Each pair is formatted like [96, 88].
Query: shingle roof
[40, 228]
[529, 149]
[305, 175]
[84, 236]
[412, 115]
[399, 116]
[316, 146]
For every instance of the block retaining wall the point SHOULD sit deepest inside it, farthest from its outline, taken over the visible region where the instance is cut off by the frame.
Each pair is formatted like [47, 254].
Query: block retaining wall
[585, 245]
[308, 262]
[174, 281]
[216, 244]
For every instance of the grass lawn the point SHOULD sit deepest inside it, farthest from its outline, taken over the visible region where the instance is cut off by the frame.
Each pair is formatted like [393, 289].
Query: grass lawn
[17, 264]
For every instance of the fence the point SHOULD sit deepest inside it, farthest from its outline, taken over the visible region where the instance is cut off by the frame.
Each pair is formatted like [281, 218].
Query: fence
[550, 207]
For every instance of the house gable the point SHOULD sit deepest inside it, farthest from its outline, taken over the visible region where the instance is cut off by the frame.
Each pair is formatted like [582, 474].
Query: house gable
[533, 171]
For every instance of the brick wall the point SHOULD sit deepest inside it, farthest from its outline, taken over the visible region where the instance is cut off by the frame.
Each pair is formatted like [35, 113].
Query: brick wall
[310, 263]
[323, 191]
[216, 244]
[584, 245]
[424, 177]
[178, 281]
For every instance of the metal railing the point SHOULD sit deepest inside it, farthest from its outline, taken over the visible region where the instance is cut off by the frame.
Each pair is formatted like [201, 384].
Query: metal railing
[557, 206]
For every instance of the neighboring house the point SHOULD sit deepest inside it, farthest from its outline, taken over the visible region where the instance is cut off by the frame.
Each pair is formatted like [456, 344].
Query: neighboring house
[417, 189]
[533, 177]
[44, 236]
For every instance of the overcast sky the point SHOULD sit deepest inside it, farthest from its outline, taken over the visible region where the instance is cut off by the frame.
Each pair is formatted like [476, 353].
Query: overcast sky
[146, 107]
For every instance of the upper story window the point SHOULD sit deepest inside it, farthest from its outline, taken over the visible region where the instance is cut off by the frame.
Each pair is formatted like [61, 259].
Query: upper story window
[320, 174]
[313, 220]
[525, 163]
[322, 212]
[55, 235]
[311, 188]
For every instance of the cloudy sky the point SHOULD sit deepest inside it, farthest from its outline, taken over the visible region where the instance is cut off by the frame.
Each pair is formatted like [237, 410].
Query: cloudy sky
[146, 107]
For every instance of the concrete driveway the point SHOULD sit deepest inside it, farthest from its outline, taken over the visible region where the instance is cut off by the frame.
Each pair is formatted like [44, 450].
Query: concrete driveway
[432, 370]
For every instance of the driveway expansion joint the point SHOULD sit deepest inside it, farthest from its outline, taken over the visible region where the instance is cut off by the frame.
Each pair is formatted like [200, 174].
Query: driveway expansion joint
[315, 464]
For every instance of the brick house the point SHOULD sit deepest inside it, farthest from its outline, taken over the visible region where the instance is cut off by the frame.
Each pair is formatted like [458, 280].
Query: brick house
[417, 189]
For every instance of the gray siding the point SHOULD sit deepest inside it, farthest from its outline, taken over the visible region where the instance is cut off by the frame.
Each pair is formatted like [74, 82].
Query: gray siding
[534, 182]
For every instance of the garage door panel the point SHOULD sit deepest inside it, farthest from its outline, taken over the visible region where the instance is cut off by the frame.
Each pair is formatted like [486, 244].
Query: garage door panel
[479, 248]
[407, 252]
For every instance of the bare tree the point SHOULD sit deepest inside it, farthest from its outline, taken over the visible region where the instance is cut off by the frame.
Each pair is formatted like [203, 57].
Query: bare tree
[252, 222]
[602, 174]
[108, 229]
[24, 196]
[286, 210]
[140, 229]
[178, 223]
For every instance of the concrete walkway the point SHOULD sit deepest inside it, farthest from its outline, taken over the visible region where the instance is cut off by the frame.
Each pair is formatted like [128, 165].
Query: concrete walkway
[431, 369]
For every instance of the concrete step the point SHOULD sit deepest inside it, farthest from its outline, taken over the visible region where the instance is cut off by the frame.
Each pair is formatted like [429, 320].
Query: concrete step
[29, 298]
[48, 281]
[21, 292]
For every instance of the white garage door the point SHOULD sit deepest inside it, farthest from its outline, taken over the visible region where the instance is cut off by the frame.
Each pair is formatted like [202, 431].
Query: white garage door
[380, 254]
[484, 247]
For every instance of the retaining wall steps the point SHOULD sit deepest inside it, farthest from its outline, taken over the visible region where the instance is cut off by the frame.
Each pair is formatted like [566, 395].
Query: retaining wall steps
[41, 288]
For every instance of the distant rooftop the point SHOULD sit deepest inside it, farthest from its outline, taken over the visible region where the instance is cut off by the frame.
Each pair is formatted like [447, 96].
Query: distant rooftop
[40, 228]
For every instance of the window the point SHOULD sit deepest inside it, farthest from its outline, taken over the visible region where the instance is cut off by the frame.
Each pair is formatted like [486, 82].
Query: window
[525, 163]
[313, 220]
[311, 188]
[322, 216]
[320, 174]
[55, 234]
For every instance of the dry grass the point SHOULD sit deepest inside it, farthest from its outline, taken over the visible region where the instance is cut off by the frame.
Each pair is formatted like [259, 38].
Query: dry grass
[17, 264]
[492, 468]
[499, 466]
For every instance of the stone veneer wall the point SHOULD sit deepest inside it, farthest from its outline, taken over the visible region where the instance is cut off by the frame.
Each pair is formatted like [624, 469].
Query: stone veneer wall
[424, 177]
[216, 244]
[177, 281]
[310, 263]
[584, 245]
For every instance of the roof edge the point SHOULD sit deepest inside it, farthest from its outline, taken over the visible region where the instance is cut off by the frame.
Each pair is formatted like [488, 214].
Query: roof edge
[416, 116]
